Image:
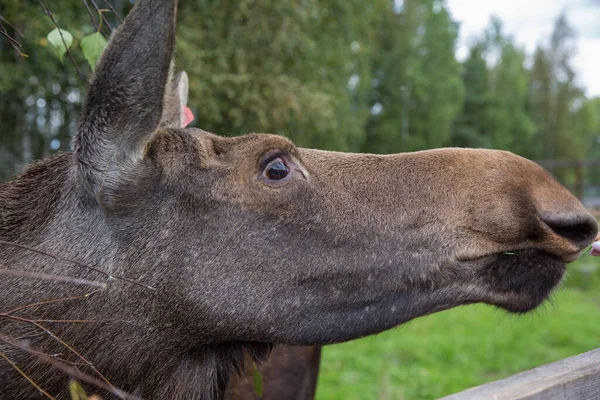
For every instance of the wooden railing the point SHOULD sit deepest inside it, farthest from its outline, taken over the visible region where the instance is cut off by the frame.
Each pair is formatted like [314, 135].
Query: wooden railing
[574, 378]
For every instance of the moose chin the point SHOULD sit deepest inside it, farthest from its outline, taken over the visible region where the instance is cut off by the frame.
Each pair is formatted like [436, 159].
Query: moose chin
[192, 251]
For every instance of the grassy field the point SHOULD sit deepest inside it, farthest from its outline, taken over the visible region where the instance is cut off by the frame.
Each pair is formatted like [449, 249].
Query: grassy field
[450, 351]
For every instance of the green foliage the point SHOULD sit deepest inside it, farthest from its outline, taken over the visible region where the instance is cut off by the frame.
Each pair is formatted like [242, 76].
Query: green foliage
[258, 381]
[495, 111]
[92, 47]
[417, 89]
[40, 96]
[280, 67]
[375, 76]
[77, 392]
[60, 40]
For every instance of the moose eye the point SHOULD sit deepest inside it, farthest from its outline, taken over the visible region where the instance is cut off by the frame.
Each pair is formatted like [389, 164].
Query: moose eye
[276, 170]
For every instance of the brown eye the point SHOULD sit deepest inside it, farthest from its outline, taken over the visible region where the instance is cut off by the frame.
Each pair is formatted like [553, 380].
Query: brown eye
[276, 170]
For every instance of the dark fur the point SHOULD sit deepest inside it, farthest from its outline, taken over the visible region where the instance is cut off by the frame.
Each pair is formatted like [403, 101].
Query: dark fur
[348, 245]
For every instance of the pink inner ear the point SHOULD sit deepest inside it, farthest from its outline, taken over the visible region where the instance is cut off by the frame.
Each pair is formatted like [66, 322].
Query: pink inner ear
[188, 116]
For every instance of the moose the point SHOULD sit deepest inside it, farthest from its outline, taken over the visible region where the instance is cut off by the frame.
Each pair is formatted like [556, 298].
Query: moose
[200, 251]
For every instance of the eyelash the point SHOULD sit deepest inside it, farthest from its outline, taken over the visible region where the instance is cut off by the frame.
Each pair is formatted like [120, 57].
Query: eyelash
[270, 157]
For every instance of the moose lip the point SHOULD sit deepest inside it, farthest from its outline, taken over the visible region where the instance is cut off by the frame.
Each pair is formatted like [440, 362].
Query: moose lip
[520, 282]
[572, 257]
[568, 258]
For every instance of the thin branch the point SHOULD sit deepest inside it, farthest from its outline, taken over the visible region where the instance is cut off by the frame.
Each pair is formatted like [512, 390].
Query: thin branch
[69, 321]
[54, 356]
[87, 7]
[6, 35]
[20, 371]
[80, 321]
[48, 277]
[65, 344]
[15, 45]
[101, 12]
[102, 26]
[42, 303]
[51, 16]
[12, 26]
[113, 10]
[73, 372]
[110, 276]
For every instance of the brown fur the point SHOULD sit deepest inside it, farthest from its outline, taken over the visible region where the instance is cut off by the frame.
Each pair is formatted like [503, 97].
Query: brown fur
[346, 246]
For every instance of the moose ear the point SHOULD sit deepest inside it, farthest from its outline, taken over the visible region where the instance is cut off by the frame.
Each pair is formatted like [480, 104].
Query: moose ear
[126, 95]
[176, 113]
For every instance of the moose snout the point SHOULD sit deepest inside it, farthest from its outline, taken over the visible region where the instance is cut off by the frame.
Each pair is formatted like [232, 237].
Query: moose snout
[580, 228]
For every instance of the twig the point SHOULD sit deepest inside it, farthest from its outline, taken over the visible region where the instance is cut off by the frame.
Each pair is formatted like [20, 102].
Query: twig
[20, 371]
[65, 344]
[54, 356]
[69, 321]
[101, 11]
[113, 10]
[73, 372]
[12, 26]
[15, 45]
[87, 7]
[48, 277]
[51, 16]
[103, 22]
[110, 276]
[42, 303]
[6, 35]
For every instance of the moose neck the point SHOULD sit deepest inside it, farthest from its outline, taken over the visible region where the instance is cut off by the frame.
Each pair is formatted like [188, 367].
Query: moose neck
[200, 371]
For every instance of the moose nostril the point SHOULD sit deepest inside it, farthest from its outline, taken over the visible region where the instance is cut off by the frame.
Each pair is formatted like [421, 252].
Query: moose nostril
[580, 229]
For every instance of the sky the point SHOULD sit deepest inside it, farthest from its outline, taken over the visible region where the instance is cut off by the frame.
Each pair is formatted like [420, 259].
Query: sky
[530, 22]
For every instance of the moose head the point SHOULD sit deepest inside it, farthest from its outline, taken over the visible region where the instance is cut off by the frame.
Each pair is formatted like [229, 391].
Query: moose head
[244, 242]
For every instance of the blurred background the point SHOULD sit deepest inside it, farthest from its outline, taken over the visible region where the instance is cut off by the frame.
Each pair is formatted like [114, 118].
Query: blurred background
[367, 76]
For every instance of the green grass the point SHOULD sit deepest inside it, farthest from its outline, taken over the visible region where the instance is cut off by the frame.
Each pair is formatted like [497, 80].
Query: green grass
[451, 351]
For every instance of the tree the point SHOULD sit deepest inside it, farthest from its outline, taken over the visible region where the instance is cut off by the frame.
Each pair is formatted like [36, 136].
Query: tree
[588, 127]
[496, 81]
[555, 98]
[472, 125]
[417, 90]
[378, 76]
[40, 94]
[293, 67]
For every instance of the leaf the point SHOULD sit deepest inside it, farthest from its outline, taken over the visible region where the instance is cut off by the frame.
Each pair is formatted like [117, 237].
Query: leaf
[258, 382]
[92, 46]
[55, 39]
[77, 392]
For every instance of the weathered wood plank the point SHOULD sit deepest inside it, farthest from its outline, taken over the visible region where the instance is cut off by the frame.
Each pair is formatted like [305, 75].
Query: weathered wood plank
[574, 378]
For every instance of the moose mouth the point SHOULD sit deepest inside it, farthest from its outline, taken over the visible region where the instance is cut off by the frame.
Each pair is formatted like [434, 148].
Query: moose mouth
[519, 282]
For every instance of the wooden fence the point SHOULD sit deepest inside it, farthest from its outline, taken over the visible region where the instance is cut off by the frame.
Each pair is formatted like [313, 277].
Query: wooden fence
[574, 378]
